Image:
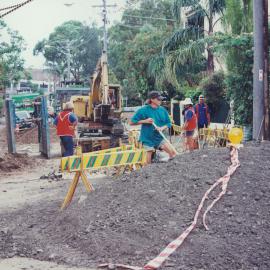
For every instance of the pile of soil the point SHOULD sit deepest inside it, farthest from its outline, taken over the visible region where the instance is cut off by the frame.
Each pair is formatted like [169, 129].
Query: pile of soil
[14, 162]
[30, 136]
[131, 219]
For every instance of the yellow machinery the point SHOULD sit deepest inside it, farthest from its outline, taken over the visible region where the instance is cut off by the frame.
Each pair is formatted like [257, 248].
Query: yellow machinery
[99, 113]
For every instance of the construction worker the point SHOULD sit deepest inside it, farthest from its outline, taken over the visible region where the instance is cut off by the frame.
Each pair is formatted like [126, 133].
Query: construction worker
[202, 113]
[65, 123]
[150, 137]
[190, 124]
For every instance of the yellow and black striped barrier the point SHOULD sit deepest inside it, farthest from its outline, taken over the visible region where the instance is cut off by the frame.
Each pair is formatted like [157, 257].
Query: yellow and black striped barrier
[177, 129]
[116, 157]
[214, 137]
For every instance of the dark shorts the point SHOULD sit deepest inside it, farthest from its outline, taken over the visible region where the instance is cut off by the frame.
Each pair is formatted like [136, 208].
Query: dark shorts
[189, 133]
[202, 126]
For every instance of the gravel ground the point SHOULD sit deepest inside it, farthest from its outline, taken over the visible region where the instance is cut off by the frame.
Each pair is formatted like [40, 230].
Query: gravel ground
[132, 218]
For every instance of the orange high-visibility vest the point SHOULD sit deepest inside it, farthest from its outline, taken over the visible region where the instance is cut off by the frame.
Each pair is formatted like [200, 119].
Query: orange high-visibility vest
[64, 126]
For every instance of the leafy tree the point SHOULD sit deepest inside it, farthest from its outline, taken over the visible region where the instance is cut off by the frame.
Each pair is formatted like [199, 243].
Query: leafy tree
[72, 41]
[213, 87]
[237, 45]
[135, 48]
[188, 44]
[11, 62]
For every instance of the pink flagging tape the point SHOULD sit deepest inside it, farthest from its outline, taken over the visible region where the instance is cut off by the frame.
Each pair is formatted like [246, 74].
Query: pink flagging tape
[163, 256]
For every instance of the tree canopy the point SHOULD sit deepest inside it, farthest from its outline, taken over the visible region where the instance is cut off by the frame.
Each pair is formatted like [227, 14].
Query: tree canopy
[11, 62]
[75, 42]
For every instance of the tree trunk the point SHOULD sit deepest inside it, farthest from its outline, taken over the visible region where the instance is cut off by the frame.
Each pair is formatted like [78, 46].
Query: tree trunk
[210, 61]
[210, 56]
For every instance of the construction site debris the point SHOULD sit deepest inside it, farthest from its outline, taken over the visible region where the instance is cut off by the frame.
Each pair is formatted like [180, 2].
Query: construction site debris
[52, 176]
[13, 162]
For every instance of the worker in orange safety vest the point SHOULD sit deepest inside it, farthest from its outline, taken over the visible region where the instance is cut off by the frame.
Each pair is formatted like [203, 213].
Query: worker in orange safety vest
[65, 123]
[190, 124]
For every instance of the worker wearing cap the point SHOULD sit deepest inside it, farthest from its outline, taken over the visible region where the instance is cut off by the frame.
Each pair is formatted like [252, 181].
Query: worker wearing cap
[150, 137]
[190, 124]
[65, 123]
[202, 113]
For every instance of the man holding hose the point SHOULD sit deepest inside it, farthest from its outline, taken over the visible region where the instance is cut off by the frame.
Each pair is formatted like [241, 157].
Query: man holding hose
[150, 136]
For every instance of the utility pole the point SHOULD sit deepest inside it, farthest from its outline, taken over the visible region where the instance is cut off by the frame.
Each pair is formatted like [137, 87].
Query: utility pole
[104, 57]
[266, 73]
[258, 70]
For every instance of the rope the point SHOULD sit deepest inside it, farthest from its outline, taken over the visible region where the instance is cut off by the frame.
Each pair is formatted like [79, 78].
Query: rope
[174, 245]
[13, 8]
[171, 248]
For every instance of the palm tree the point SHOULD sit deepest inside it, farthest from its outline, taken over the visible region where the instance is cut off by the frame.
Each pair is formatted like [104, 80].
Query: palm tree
[189, 43]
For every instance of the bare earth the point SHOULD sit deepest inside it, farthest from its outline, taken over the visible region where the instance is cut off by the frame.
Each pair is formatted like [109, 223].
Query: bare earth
[130, 219]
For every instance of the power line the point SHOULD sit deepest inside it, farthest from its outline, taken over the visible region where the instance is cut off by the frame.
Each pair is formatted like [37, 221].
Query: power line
[129, 26]
[13, 8]
[152, 18]
[1, 9]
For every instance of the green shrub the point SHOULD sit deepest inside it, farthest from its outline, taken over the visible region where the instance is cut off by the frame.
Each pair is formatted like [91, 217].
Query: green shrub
[192, 92]
[213, 88]
[1, 104]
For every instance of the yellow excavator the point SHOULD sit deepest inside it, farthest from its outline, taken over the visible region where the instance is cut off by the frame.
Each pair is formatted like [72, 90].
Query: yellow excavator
[99, 113]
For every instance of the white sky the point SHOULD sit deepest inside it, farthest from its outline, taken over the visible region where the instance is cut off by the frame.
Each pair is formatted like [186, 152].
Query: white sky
[37, 20]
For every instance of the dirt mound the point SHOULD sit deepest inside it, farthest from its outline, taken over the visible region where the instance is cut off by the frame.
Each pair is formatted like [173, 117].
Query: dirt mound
[30, 136]
[131, 219]
[13, 162]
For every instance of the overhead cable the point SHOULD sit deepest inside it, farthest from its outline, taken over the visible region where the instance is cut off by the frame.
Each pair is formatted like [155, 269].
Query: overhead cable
[152, 18]
[14, 8]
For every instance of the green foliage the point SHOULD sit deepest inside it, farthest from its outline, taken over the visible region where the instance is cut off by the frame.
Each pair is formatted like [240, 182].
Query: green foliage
[213, 88]
[238, 16]
[236, 46]
[11, 62]
[73, 40]
[187, 46]
[135, 51]
[239, 79]
[192, 92]
[1, 104]
[240, 91]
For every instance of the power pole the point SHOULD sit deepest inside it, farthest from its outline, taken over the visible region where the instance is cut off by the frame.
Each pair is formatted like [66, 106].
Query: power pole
[266, 73]
[258, 70]
[104, 57]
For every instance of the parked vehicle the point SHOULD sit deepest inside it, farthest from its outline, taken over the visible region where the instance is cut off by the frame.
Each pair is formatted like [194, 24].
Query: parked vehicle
[24, 120]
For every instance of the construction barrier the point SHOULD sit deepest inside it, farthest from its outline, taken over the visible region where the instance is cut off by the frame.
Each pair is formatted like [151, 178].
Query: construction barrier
[177, 129]
[214, 137]
[121, 157]
[95, 160]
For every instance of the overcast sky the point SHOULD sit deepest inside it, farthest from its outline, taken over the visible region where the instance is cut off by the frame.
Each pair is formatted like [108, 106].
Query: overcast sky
[37, 20]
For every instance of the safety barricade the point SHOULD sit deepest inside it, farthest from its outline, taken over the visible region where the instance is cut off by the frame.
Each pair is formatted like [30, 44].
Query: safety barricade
[177, 129]
[119, 157]
[213, 137]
